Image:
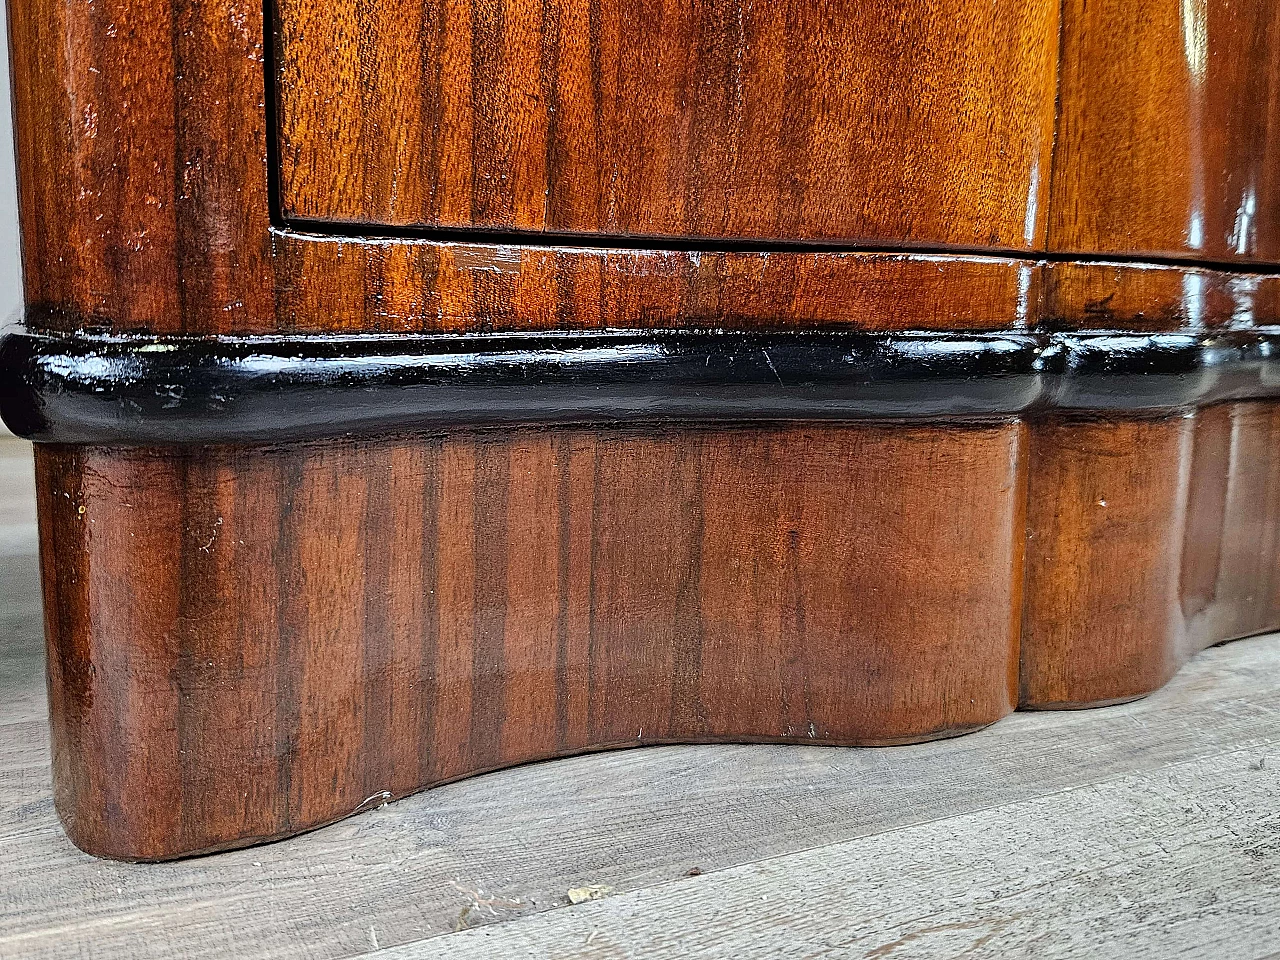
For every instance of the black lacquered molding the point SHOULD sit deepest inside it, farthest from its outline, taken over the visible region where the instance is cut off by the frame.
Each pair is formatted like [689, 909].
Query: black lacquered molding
[97, 389]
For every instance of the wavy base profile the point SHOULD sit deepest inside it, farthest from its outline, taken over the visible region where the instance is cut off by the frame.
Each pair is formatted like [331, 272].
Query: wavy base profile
[248, 642]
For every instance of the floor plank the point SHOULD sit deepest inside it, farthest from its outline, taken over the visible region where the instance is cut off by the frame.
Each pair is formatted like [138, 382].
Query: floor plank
[17, 499]
[484, 866]
[1183, 860]
[22, 695]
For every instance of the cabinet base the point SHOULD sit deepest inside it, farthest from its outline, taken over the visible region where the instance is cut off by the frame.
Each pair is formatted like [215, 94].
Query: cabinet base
[249, 642]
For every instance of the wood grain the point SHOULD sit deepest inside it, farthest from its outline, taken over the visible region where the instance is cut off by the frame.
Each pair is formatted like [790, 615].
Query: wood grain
[141, 135]
[1147, 541]
[639, 819]
[1235, 591]
[1105, 515]
[1169, 130]
[1102, 295]
[249, 642]
[453, 287]
[933, 120]
[319, 625]
[143, 142]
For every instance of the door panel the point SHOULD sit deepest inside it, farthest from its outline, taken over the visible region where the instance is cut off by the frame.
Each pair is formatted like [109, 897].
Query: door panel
[1169, 135]
[923, 122]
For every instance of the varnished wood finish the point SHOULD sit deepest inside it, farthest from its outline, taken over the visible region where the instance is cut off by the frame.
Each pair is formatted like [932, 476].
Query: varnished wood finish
[1169, 129]
[1153, 298]
[448, 287]
[930, 122]
[1104, 528]
[142, 144]
[178, 238]
[1147, 541]
[637, 820]
[246, 643]
[143, 149]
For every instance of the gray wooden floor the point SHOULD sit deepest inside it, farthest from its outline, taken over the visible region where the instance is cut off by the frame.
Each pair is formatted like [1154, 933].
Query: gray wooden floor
[1146, 830]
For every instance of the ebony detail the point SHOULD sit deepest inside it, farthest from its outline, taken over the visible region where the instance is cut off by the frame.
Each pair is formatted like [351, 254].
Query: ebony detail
[126, 390]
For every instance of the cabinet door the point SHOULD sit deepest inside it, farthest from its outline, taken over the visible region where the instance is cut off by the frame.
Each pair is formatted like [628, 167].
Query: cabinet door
[1169, 136]
[911, 122]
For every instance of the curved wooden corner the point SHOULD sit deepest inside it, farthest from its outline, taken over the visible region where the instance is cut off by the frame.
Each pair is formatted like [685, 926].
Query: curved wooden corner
[1147, 541]
[247, 642]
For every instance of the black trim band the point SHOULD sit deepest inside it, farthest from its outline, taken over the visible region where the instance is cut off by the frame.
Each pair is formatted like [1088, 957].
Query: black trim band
[94, 389]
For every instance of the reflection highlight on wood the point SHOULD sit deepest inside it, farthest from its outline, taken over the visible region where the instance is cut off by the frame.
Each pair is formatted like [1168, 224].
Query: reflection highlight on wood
[123, 241]
[1167, 134]
[717, 120]
[245, 642]
[284, 633]
[150, 210]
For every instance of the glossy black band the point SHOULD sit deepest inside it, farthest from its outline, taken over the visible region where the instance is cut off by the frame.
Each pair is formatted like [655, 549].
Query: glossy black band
[92, 389]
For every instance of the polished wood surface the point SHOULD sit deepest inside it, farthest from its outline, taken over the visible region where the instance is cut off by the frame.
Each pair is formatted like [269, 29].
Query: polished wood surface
[1169, 130]
[430, 286]
[141, 131]
[244, 643]
[143, 145]
[480, 867]
[1147, 541]
[1105, 520]
[927, 123]
[1153, 297]
[455, 288]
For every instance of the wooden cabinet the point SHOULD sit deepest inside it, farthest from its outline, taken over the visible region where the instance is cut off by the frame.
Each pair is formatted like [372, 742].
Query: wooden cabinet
[424, 387]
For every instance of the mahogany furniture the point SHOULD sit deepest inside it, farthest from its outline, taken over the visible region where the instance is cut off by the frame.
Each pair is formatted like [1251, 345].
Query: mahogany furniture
[425, 387]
